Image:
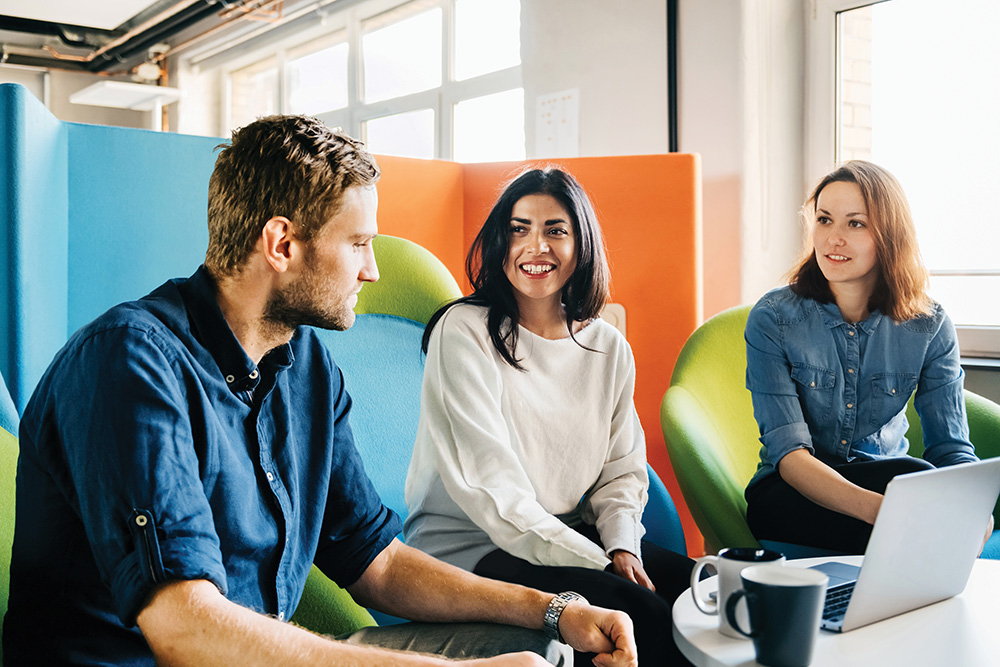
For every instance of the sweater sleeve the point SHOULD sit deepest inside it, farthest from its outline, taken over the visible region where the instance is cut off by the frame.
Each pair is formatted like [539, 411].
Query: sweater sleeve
[619, 496]
[478, 466]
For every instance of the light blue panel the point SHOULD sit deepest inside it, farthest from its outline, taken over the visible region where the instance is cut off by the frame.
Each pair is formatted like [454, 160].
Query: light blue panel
[383, 368]
[8, 414]
[661, 521]
[33, 251]
[137, 214]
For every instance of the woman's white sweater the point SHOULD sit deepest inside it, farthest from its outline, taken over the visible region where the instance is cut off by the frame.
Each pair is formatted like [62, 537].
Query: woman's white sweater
[512, 459]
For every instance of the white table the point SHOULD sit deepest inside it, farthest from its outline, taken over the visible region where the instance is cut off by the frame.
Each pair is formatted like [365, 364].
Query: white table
[961, 632]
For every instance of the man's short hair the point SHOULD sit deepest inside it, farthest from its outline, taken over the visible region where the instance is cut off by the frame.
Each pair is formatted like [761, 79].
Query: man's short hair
[291, 166]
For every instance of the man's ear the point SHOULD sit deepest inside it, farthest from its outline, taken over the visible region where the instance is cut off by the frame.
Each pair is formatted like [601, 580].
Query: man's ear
[276, 242]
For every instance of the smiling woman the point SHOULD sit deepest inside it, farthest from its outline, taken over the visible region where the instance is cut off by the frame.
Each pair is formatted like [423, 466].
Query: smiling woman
[832, 360]
[530, 462]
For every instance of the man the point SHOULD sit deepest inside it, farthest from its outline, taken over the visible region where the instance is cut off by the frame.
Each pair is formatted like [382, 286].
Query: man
[187, 456]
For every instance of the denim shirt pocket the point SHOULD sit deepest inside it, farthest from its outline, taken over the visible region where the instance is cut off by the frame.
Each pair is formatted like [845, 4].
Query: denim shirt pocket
[890, 392]
[815, 388]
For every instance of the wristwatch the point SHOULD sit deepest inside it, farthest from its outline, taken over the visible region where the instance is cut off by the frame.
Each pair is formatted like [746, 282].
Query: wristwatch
[550, 623]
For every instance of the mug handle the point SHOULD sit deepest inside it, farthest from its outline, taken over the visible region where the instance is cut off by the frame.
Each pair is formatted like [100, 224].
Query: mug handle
[705, 606]
[734, 598]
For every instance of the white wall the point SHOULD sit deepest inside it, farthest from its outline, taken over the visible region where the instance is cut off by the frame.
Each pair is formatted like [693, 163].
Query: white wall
[615, 54]
[60, 86]
[741, 92]
[710, 123]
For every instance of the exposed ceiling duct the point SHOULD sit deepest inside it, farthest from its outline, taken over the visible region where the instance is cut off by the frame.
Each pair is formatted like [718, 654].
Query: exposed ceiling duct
[140, 39]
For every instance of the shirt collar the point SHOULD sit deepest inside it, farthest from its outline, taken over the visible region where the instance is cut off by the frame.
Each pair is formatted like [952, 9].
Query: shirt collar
[832, 317]
[210, 327]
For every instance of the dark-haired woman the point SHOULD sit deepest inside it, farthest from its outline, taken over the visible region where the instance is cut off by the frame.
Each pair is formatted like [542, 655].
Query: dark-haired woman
[832, 360]
[529, 464]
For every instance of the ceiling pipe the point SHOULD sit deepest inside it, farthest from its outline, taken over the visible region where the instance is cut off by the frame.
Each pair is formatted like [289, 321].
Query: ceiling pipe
[140, 44]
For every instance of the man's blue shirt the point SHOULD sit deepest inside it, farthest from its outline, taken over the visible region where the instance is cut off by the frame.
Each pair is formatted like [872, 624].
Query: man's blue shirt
[154, 449]
[840, 389]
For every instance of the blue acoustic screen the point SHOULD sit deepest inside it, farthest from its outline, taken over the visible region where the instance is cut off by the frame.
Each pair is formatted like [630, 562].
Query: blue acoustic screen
[137, 216]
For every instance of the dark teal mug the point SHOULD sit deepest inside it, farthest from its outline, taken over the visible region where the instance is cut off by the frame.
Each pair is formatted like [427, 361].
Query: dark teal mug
[784, 607]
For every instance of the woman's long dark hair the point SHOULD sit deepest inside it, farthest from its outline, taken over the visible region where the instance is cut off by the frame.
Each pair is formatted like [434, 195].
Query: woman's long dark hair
[583, 295]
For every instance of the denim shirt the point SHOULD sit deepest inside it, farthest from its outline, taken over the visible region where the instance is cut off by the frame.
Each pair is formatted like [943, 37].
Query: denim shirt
[840, 390]
[154, 449]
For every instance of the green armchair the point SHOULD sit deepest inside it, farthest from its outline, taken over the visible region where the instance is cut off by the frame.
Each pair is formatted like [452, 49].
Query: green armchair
[712, 437]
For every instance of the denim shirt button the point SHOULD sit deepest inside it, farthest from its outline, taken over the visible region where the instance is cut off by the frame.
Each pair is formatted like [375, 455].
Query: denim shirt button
[270, 477]
[230, 379]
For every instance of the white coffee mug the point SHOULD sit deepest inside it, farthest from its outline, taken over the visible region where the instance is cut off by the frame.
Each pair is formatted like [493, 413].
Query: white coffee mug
[729, 563]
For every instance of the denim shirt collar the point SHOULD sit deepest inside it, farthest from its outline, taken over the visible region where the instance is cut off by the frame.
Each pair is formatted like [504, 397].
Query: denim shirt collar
[833, 318]
[210, 327]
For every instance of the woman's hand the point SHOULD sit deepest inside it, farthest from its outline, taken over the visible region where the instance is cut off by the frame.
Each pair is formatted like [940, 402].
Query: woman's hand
[989, 534]
[626, 565]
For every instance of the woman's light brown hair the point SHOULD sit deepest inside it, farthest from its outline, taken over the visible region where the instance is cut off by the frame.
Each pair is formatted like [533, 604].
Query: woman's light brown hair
[901, 281]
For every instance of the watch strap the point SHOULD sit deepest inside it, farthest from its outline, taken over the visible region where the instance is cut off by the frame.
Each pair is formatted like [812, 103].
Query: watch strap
[550, 622]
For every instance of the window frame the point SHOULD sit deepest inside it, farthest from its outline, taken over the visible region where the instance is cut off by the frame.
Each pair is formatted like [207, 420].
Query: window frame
[822, 120]
[353, 117]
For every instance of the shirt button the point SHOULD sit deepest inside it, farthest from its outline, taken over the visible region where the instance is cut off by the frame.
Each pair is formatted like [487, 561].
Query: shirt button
[843, 442]
[270, 477]
[850, 405]
[894, 391]
[850, 333]
[281, 615]
[850, 370]
[230, 379]
[140, 520]
[253, 376]
[812, 384]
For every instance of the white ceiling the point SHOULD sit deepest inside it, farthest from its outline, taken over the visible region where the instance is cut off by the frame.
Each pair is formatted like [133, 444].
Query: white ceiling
[104, 14]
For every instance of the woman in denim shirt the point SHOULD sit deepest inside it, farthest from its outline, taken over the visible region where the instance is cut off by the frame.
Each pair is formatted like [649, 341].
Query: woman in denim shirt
[832, 360]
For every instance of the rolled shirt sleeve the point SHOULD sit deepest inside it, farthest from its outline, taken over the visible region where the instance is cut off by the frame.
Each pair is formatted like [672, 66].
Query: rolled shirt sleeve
[940, 400]
[357, 527]
[776, 405]
[132, 469]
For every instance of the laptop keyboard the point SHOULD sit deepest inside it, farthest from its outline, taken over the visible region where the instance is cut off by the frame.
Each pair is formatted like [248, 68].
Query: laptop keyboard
[836, 602]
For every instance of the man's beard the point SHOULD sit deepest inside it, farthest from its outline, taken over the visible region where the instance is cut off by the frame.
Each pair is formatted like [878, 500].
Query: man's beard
[308, 302]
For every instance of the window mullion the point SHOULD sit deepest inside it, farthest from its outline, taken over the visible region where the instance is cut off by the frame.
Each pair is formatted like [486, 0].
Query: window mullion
[354, 74]
[444, 112]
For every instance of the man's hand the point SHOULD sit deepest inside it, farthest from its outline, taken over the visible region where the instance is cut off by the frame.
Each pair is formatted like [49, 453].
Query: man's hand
[608, 633]
[627, 566]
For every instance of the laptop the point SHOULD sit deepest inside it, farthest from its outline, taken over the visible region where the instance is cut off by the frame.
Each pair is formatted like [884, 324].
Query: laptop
[924, 543]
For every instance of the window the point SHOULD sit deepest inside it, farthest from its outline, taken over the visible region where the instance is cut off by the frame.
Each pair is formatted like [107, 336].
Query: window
[403, 57]
[927, 115]
[317, 77]
[488, 128]
[253, 92]
[409, 134]
[425, 78]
